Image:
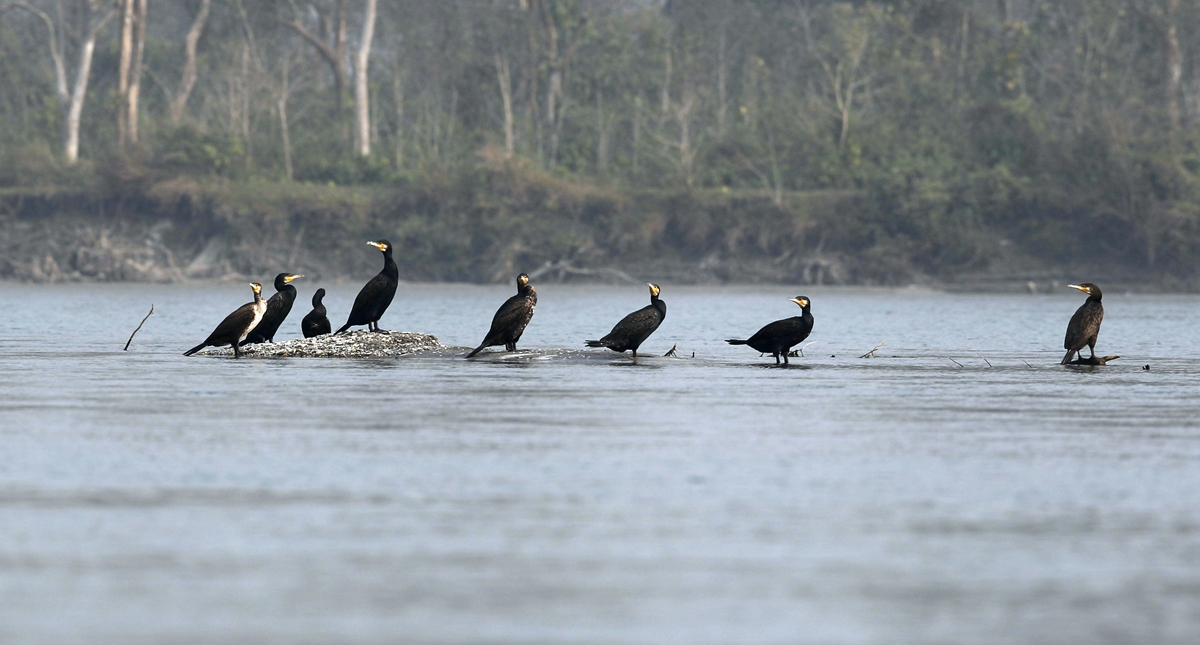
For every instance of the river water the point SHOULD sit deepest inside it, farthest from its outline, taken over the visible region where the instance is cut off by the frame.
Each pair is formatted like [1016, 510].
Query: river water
[564, 495]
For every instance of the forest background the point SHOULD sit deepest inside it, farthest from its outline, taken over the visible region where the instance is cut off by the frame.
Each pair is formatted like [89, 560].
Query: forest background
[914, 141]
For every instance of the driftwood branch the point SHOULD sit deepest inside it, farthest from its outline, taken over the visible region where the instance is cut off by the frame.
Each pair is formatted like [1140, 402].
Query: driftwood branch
[139, 327]
[671, 352]
[871, 354]
[1093, 360]
[954, 361]
[797, 353]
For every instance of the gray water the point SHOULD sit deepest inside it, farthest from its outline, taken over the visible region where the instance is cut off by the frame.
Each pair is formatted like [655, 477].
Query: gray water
[563, 495]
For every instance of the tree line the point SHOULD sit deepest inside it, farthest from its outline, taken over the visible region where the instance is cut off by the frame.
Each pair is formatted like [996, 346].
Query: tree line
[1064, 129]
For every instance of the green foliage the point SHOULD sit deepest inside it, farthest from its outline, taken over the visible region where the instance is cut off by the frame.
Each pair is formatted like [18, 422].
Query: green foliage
[189, 150]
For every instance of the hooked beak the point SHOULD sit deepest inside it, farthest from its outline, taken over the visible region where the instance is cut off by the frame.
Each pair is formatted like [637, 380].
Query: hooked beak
[803, 302]
[1075, 286]
[293, 276]
[377, 245]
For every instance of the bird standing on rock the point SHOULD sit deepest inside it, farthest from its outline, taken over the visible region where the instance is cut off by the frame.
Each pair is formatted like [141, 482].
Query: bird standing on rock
[377, 294]
[511, 318]
[236, 325]
[316, 323]
[278, 308]
[1085, 324]
[778, 338]
[635, 328]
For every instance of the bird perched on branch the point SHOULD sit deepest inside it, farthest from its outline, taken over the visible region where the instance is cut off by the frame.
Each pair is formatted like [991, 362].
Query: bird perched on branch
[635, 328]
[278, 308]
[778, 338]
[511, 318]
[236, 325]
[316, 323]
[1085, 324]
[377, 294]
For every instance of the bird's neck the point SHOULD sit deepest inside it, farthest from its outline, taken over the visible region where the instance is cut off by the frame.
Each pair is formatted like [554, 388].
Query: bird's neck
[389, 265]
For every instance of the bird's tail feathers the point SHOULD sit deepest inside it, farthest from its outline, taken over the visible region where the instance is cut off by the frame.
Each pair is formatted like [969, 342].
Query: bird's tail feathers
[475, 351]
[734, 341]
[593, 343]
[1067, 359]
[344, 328]
[195, 349]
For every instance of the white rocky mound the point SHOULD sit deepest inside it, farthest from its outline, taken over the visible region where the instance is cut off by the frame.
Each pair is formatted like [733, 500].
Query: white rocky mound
[356, 344]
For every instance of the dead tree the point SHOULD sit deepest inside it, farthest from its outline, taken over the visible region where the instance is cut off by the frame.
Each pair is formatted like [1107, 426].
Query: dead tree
[332, 49]
[71, 94]
[362, 96]
[188, 80]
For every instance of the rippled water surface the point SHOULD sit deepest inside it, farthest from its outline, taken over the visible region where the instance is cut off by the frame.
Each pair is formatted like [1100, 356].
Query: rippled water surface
[563, 495]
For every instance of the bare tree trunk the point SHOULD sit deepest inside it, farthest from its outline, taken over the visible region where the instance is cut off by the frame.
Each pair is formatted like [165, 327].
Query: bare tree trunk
[553, 112]
[722, 101]
[135, 73]
[362, 95]
[398, 97]
[962, 51]
[666, 86]
[687, 154]
[335, 54]
[601, 135]
[123, 72]
[179, 101]
[1174, 64]
[504, 77]
[82, 75]
[244, 103]
[635, 146]
[285, 91]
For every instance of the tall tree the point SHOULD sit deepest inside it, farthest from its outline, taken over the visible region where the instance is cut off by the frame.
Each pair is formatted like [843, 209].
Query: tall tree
[94, 15]
[362, 94]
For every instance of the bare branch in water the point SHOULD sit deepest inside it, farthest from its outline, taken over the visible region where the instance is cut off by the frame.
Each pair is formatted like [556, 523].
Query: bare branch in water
[871, 354]
[139, 327]
[989, 363]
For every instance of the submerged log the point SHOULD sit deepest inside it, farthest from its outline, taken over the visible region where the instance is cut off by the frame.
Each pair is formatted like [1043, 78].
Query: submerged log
[1093, 361]
[355, 344]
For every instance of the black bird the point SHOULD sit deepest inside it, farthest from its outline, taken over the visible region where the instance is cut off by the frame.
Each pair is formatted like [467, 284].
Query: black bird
[278, 308]
[636, 327]
[377, 294]
[511, 318]
[236, 325]
[778, 338]
[1085, 324]
[316, 323]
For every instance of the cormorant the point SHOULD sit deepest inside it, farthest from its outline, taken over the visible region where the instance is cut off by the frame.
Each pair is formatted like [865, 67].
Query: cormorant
[511, 318]
[236, 325]
[636, 327]
[778, 338]
[316, 323]
[377, 294]
[278, 308]
[1085, 324]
